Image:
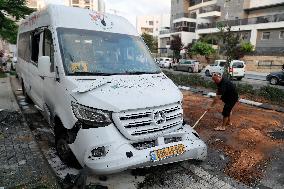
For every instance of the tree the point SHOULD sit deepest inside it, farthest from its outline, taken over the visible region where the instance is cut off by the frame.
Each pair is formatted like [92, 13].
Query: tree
[11, 11]
[151, 42]
[230, 44]
[176, 47]
[201, 48]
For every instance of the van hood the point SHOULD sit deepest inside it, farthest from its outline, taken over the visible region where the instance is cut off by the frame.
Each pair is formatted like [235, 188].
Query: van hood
[125, 92]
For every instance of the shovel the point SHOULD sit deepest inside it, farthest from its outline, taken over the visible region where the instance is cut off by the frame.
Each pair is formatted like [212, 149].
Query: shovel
[199, 119]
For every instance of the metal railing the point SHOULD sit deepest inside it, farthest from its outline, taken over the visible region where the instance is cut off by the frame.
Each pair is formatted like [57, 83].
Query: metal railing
[184, 15]
[246, 21]
[209, 9]
[196, 2]
[182, 29]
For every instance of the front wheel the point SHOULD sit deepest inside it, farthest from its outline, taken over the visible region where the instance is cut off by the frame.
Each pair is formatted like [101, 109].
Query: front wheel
[190, 70]
[65, 153]
[207, 73]
[239, 78]
[27, 98]
[273, 81]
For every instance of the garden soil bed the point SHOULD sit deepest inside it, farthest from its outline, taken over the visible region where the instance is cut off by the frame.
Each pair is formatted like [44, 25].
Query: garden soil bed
[247, 143]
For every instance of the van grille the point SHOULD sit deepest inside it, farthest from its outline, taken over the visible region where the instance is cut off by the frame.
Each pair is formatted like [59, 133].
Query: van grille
[143, 123]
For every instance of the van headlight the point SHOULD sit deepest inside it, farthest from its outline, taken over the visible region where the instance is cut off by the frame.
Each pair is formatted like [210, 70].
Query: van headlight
[90, 116]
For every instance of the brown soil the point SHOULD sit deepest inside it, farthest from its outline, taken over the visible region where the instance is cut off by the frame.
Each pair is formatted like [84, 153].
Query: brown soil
[247, 142]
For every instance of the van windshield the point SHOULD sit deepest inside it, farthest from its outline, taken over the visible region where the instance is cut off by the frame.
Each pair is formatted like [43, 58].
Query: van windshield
[86, 52]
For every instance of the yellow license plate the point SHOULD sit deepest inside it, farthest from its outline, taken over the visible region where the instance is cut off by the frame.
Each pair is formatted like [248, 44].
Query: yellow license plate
[167, 152]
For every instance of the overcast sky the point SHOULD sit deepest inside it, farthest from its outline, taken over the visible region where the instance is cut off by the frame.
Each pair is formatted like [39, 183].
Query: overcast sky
[132, 8]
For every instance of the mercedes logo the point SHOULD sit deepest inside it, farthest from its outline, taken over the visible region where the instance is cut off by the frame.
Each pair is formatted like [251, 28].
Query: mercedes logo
[159, 117]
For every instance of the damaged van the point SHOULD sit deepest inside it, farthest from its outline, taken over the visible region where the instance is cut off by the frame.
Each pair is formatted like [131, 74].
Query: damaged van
[95, 82]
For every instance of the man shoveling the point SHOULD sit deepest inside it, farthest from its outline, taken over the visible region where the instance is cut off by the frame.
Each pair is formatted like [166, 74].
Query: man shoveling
[226, 92]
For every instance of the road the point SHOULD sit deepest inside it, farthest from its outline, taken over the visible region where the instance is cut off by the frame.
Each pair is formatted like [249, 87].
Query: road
[257, 80]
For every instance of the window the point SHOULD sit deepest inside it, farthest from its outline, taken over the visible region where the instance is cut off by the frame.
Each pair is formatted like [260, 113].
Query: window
[281, 36]
[151, 23]
[265, 35]
[102, 53]
[238, 65]
[48, 48]
[24, 46]
[35, 39]
[222, 64]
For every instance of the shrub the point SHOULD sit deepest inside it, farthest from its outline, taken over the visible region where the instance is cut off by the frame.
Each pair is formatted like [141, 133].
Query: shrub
[247, 47]
[272, 93]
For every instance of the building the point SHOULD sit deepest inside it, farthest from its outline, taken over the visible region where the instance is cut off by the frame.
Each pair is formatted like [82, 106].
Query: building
[152, 24]
[261, 22]
[96, 5]
[183, 24]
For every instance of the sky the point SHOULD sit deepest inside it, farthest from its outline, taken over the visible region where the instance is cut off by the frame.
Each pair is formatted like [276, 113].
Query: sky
[132, 8]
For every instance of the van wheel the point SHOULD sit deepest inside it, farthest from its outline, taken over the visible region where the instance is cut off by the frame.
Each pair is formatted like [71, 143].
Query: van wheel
[27, 98]
[239, 78]
[190, 70]
[65, 153]
[207, 73]
[175, 68]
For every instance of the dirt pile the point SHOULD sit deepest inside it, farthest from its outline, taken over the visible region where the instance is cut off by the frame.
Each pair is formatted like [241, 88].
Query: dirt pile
[247, 143]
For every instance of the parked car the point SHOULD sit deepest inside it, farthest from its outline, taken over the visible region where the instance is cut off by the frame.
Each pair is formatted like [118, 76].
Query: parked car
[97, 85]
[275, 78]
[192, 66]
[236, 69]
[165, 62]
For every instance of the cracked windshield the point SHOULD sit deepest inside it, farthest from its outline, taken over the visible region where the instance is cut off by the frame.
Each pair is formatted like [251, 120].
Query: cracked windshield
[141, 94]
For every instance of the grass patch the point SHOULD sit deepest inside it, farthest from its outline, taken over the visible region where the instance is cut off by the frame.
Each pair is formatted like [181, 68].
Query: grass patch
[268, 93]
[2, 75]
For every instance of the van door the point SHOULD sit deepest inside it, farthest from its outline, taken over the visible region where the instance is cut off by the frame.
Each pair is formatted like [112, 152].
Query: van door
[49, 83]
[34, 79]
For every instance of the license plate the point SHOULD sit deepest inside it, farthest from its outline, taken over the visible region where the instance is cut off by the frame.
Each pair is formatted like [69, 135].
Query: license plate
[167, 152]
[236, 72]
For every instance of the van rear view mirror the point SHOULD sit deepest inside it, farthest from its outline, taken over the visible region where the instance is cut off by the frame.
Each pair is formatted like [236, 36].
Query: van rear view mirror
[44, 66]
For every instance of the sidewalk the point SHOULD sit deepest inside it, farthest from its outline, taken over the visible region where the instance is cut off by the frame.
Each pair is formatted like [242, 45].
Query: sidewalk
[22, 164]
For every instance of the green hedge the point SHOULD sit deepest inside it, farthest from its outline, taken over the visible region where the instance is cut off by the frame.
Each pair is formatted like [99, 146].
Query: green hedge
[272, 94]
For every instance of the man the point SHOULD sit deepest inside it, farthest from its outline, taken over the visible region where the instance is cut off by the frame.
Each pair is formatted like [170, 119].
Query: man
[226, 92]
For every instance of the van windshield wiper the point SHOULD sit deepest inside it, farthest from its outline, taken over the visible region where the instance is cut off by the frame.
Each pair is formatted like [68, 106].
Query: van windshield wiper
[90, 74]
[140, 73]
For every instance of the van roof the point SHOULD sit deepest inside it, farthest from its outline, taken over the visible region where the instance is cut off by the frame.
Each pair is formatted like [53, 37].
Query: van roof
[73, 17]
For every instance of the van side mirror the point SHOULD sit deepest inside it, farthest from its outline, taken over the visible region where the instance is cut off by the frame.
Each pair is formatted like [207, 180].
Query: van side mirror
[44, 66]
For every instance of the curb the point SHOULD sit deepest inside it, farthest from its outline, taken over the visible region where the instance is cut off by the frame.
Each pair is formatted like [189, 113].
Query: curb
[54, 179]
[243, 101]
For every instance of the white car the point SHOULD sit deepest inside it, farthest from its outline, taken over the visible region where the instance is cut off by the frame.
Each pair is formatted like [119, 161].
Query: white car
[96, 83]
[236, 69]
[165, 62]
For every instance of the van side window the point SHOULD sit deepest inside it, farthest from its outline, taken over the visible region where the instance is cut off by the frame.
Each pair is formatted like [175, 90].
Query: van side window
[222, 64]
[48, 48]
[24, 46]
[35, 39]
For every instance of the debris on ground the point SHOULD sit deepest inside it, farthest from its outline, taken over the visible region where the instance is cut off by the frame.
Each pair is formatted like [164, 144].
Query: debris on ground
[247, 143]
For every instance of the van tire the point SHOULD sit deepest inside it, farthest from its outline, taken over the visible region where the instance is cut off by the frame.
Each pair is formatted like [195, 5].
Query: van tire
[27, 98]
[65, 153]
[207, 73]
[239, 78]
[190, 70]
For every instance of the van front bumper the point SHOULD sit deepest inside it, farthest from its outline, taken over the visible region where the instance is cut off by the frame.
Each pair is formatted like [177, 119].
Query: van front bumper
[122, 155]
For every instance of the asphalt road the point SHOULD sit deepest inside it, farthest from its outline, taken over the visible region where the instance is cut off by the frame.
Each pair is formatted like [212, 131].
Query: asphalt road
[256, 80]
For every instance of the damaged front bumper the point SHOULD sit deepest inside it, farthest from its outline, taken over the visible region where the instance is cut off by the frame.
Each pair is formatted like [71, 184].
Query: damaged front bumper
[118, 154]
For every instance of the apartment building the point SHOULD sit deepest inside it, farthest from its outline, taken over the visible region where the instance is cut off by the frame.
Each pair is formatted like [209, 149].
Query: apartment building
[183, 24]
[152, 24]
[96, 5]
[260, 22]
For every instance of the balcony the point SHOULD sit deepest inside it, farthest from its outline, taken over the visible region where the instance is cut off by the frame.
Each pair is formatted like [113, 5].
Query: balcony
[209, 11]
[181, 29]
[184, 15]
[196, 4]
[256, 4]
[247, 21]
